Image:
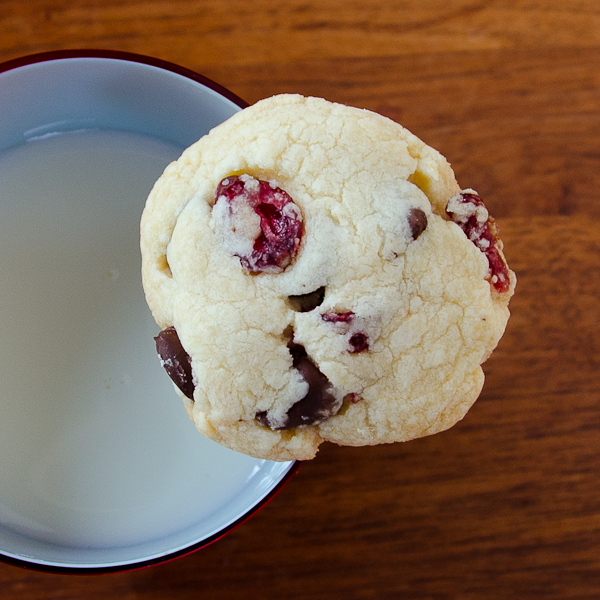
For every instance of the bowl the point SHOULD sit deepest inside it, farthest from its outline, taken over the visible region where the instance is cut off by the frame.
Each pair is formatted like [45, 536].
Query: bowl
[100, 468]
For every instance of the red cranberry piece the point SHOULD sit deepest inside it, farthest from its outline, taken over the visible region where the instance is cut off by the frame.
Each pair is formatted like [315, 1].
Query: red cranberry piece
[277, 232]
[175, 360]
[345, 317]
[352, 398]
[470, 213]
[417, 222]
[359, 342]
[317, 406]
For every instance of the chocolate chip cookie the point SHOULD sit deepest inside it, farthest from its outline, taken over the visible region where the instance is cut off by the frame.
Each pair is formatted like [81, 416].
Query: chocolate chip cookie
[318, 274]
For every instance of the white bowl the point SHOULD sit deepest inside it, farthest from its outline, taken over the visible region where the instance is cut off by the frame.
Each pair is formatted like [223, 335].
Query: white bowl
[100, 468]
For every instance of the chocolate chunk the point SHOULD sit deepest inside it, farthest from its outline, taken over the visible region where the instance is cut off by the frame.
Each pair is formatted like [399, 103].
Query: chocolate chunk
[417, 221]
[263, 418]
[175, 360]
[317, 406]
[307, 302]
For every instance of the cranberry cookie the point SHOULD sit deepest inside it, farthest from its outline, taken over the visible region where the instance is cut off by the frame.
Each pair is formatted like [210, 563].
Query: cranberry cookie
[318, 274]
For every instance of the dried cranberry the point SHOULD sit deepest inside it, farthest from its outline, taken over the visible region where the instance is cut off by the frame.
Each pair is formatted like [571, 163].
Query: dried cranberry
[175, 360]
[352, 398]
[470, 213]
[345, 317]
[359, 342]
[275, 246]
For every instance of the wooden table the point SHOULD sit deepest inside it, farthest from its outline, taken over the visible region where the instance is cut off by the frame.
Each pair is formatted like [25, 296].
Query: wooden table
[507, 503]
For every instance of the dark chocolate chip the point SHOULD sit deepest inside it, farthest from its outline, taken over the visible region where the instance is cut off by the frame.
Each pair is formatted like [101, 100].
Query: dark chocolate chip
[175, 360]
[307, 302]
[417, 221]
[317, 406]
[263, 418]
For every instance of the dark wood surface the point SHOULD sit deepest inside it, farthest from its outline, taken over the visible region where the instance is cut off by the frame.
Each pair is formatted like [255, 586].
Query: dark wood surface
[507, 503]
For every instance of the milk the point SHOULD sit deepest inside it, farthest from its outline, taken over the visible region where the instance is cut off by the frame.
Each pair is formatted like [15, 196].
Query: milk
[96, 450]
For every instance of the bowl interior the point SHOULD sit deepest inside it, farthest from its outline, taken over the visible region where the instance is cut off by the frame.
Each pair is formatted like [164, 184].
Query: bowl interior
[100, 468]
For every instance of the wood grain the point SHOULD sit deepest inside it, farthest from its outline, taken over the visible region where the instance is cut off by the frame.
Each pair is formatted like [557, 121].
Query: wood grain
[507, 503]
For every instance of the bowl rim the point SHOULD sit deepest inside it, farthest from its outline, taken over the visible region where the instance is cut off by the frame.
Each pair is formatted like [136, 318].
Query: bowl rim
[144, 564]
[118, 55]
[52, 55]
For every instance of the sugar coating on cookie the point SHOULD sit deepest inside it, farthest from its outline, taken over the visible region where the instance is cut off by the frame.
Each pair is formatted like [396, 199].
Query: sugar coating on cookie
[319, 275]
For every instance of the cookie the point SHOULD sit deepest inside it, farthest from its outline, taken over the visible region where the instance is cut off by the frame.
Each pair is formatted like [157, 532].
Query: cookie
[319, 275]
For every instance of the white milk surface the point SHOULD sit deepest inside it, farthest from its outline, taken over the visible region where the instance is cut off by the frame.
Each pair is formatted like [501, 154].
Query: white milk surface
[96, 450]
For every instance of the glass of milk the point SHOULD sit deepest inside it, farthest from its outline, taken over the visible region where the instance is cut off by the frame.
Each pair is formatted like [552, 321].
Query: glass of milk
[100, 468]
